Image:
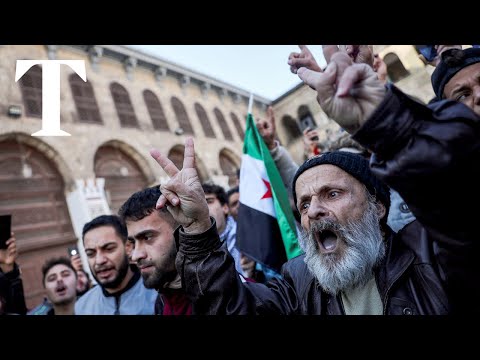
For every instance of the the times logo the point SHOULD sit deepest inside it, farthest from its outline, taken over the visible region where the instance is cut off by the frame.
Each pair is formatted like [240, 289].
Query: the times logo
[51, 90]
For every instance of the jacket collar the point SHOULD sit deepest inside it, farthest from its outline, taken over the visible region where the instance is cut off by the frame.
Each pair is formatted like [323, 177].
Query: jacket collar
[397, 260]
[130, 284]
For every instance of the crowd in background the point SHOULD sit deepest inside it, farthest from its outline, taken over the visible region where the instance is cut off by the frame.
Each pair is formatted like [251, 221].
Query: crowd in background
[378, 211]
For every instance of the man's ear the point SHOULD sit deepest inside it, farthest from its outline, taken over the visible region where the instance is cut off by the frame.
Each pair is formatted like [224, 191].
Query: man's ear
[381, 210]
[225, 209]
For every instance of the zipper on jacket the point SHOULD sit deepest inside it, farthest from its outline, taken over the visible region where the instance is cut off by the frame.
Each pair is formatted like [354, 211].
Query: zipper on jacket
[117, 305]
[385, 300]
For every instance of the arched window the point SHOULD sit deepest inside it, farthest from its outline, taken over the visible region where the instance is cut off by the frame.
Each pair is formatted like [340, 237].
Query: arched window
[204, 121]
[182, 116]
[85, 101]
[125, 111]
[156, 111]
[123, 176]
[395, 69]
[229, 166]
[32, 189]
[223, 124]
[291, 127]
[176, 156]
[31, 87]
[238, 126]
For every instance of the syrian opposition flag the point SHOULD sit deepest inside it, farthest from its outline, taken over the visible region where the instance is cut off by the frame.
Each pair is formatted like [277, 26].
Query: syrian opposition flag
[266, 228]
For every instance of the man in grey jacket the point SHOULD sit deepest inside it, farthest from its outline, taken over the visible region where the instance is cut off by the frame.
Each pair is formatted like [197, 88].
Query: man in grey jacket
[121, 290]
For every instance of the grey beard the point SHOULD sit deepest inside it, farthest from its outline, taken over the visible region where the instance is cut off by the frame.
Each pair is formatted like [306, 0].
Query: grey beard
[354, 267]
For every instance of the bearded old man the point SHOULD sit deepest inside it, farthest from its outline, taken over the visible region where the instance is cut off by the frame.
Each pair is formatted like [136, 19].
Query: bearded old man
[353, 263]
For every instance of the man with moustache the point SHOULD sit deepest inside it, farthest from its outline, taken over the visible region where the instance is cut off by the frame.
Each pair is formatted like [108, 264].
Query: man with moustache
[151, 231]
[121, 290]
[60, 282]
[353, 262]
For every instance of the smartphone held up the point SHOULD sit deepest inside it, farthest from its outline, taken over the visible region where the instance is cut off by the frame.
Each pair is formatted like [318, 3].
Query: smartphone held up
[72, 251]
[5, 230]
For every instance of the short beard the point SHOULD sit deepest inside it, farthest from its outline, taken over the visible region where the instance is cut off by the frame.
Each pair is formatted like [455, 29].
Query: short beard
[65, 301]
[353, 267]
[164, 272]
[122, 272]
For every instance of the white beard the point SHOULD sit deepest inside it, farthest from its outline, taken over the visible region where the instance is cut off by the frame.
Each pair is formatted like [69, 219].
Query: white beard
[354, 266]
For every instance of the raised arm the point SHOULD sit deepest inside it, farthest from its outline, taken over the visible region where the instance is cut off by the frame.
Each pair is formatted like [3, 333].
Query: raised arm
[205, 265]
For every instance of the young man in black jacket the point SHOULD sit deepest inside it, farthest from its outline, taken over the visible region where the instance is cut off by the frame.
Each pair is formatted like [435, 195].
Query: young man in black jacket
[151, 231]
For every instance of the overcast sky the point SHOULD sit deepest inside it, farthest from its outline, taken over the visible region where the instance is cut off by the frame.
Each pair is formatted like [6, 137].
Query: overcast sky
[261, 69]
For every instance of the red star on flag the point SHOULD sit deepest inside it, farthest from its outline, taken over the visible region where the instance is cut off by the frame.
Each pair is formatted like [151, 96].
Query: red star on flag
[268, 194]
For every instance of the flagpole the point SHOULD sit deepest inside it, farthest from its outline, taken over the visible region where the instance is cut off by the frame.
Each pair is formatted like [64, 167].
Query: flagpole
[250, 104]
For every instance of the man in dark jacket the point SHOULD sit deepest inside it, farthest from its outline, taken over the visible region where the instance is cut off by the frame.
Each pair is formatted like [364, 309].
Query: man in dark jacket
[151, 231]
[429, 155]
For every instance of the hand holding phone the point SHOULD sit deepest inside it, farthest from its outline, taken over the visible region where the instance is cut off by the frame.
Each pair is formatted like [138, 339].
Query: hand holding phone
[72, 251]
[429, 52]
[5, 230]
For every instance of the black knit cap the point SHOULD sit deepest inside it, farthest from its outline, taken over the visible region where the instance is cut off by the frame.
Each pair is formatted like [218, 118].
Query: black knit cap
[354, 164]
[452, 62]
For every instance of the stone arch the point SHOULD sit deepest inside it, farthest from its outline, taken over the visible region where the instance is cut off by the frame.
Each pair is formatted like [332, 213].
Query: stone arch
[292, 130]
[48, 151]
[395, 69]
[32, 190]
[229, 163]
[176, 155]
[124, 169]
[134, 154]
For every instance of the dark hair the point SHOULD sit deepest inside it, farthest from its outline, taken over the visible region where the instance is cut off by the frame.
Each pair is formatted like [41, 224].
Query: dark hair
[107, 220]
[232, 191]
[56, 261]
[143, 203]
[217, 190]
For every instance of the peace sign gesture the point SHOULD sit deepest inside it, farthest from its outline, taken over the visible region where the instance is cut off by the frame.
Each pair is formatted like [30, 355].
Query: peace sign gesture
[183, 193]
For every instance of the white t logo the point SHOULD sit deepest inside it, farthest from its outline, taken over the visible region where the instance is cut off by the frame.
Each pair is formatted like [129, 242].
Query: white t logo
[51, 90]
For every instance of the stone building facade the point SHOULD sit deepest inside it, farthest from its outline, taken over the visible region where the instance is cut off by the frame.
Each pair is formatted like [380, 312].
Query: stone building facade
[405, 70]
[130, 103]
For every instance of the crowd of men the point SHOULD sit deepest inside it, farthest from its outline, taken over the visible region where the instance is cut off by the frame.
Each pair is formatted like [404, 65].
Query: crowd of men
[380, 213]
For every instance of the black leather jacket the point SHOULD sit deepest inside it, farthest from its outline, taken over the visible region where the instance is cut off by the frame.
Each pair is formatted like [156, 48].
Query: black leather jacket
[431, 157]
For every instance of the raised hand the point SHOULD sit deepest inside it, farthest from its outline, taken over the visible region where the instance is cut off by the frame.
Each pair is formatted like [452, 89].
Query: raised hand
[9, 255]
[360, 54]
[347, 92]
[311, 141]
[266, 128]
[302, 59]
[248, 266]
[183, 193]
[76, 262]
[380, 68]
[440, 49]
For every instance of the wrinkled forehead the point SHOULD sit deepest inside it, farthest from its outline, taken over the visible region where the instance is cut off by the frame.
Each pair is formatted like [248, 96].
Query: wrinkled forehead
[463, 77]
[323, 175]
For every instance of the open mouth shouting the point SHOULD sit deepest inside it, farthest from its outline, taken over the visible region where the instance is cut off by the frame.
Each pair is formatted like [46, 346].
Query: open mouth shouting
[105, 273]
[61, 290]
[327, 241]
